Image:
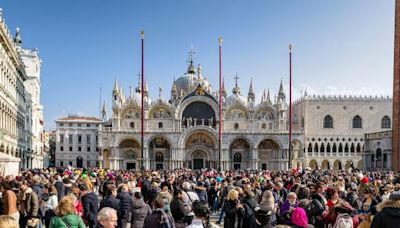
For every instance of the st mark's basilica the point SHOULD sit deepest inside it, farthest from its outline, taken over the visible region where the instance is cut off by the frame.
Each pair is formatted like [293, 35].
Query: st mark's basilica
[183, 131]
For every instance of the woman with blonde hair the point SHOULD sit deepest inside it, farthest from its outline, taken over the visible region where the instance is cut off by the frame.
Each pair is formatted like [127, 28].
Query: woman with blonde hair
[233, 208]
[7, 221]
[66, 216]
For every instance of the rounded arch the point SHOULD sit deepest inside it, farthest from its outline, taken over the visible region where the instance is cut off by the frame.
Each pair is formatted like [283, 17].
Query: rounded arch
[313, 164]
[241, 146]
[198, 129]
[270, 137]
[2, 148]
[130, 112]
[328, 121]
[349, 164]
[237, 112]
[385, 122]
[243, 137]
[360, 164]
[357, 122]
[265, 113]
[202, 99]
[159, 149]
[160, 111]
[325, 165]
[337, 165]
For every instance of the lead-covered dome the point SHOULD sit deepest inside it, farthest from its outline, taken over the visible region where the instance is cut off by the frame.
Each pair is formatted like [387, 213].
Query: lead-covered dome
[236, 98]
[190, 80]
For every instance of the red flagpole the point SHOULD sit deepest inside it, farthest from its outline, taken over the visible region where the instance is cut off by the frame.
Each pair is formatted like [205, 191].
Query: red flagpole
[142, 105]
[220, 102]
[290, 106]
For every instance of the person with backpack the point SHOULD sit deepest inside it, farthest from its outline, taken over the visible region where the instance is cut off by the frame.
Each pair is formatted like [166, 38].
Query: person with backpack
[158, 218]
[65, 215]
[265, 211]
[249, 204]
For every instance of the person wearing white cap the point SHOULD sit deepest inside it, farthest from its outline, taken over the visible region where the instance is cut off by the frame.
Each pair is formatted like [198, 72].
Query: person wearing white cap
[388, 212]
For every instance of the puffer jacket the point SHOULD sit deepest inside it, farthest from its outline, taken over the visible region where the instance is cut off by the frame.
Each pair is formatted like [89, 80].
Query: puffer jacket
[136, 216]
[74, 221]
[388, 214]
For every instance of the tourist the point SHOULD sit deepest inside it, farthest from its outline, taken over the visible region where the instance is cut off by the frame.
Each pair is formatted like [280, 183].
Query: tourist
[179, 209]
[388, 212]
[137, 213]
[65, 215]
[265, 211]
[233, 208]
[107, 218]
[158, 218]
[201, 216]
[111, 198]
[249, 204]
[90, 205]
[288, 207]
[49, 203]
[9, 201]
[28, 203]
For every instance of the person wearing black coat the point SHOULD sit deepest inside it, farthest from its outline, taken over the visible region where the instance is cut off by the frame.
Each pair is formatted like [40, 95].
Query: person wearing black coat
[232, 208]
[179, 209]
[59, 185]
[249, 203]
[111, 199]
[388, 212]
[125, 203]
[90, 205]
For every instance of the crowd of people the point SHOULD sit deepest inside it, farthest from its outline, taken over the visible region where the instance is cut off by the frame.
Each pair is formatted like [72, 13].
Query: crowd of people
[97, 198]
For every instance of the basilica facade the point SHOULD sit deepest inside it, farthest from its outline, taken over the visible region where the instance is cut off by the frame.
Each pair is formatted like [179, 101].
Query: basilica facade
[183, 131]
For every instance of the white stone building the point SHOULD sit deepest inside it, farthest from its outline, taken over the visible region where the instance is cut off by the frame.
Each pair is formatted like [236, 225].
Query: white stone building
[36, 149]
[183, 131]
[378, 150]
[77, 141]
[334, 128]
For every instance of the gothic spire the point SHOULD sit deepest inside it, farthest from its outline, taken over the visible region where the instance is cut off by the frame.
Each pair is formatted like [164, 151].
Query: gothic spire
[268, 97]
[281, 93]
[115, 89]
[174, 88]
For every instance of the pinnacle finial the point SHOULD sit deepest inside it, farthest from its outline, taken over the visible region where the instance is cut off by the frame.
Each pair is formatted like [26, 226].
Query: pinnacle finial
[142, 34]
[17, 38]
[220, 41]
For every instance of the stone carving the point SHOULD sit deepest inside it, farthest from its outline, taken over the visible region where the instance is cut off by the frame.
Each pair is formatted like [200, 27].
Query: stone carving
[199, 139]
[265, 115]
[236, 114]
[132, 114]
[161, 113]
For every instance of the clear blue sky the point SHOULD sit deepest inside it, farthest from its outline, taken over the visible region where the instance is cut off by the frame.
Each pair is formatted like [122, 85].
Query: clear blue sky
[339, 46]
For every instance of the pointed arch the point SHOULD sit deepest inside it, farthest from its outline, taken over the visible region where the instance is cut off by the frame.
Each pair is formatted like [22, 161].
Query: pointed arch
[328, 148]
[322, 148]
[309, 148]
[385, 122]
[334, 149]
[328, 122]
[357, 122]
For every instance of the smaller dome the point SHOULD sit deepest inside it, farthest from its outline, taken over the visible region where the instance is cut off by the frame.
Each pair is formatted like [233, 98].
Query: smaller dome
[236, 98]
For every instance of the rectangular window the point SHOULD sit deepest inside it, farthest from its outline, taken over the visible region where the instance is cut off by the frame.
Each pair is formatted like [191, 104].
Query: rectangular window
[70, 148]
[97, 139]
[70, 137]
[61, 148]
[61, 163]
[79, 148]
[88, 164]
[79, 139]
[79, 125]
[61, 138]
[87, 125]
[70, 163]
[97, 149]
[70, 124]
[88, 149]
[61, 124]
[97, 125]
[88, 139]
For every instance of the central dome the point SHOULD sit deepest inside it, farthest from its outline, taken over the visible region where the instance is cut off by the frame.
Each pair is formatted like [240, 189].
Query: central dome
[190, 80]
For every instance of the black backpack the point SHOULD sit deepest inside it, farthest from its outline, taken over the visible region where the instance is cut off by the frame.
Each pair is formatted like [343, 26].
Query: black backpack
[263, 216]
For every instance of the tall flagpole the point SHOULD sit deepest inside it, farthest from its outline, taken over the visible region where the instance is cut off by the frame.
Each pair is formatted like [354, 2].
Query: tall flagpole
[290, 106]
[142, 106]
[220, 103]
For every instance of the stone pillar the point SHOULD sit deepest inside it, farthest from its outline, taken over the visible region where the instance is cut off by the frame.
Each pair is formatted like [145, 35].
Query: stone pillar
[396, 92]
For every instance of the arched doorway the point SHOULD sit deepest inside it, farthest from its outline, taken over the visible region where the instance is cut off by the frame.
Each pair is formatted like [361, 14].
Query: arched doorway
[269, 155]
[129, 150]
[159, 149]
[313, 164]
[325, 165]
[349, 164]
[79, 162]
[200, 148]
[198, 159]
[360, 165]
[337, 165]
[240, 154]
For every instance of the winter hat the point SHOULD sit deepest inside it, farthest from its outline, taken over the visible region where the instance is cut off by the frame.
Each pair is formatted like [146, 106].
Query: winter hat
[299, 217]
[395, 196]
[364, 180]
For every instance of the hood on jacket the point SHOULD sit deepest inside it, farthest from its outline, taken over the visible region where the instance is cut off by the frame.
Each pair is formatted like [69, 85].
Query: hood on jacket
[138, 203]
[390, 207]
